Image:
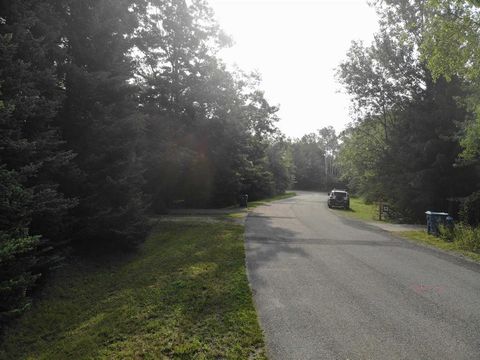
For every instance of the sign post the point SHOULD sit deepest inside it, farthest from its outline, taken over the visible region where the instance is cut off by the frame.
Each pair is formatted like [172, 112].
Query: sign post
[382, 209]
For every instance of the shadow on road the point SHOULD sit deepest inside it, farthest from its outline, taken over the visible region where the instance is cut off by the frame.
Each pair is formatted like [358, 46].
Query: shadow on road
[276, 242]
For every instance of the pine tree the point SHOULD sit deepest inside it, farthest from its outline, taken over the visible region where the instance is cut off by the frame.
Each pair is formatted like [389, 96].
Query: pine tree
[19, 251]
[31, 155]
[101, 123]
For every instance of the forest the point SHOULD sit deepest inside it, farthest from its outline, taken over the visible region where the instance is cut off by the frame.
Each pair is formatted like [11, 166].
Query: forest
[113, 111]
[414, 139]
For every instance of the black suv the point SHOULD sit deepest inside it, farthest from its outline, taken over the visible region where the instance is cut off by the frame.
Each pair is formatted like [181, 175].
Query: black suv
[338, 198]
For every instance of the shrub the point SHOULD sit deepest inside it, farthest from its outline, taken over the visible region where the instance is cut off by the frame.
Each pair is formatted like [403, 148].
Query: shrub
[446, 233]
[470, 211]
[19, 251]
[467, 238]
[464, 236]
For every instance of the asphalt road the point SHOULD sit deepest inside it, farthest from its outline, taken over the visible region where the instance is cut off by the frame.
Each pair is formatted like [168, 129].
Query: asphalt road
[328, 287]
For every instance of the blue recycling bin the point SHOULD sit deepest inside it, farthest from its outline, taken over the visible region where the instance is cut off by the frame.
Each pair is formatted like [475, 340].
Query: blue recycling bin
[435, 219]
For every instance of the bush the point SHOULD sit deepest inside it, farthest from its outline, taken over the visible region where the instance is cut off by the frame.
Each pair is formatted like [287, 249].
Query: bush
[464, 236]
[470, 211]
[19, 251]
[447, 233]
[467, 238]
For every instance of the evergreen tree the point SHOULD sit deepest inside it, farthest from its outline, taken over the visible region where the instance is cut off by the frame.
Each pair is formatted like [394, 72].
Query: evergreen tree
[207, 129]
[31, 151]
[19, 251]
[101, 123]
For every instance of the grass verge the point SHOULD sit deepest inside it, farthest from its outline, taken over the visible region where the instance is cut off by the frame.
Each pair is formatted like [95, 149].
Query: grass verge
[369, 212]
[360, 210]
[183, 295]
[424, 238]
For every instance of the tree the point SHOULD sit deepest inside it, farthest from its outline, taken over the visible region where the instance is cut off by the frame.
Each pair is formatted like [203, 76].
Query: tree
[280, 163]
[359, 157]
[32, 155]
[207, 128]
[315, 160]
[451, 49]
[329, 142]
[451, 42]
[107, 106]
[403, 146]
[309, 160]
[19, 251]
[178, 73]
[101, 123]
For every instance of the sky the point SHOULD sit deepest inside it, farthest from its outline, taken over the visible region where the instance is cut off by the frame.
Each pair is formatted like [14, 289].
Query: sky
[296, 47]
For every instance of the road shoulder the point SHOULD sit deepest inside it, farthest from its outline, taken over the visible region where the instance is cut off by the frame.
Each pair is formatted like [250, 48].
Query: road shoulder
[417, 235]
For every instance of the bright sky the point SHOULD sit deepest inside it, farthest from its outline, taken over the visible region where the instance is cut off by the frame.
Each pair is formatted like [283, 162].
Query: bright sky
[296, 46]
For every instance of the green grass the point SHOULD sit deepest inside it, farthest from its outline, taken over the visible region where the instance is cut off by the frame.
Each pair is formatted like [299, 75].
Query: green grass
[424, 238]
[254, 204]
[369, 212]
[183, 295]
[236, 215]
[360, 210]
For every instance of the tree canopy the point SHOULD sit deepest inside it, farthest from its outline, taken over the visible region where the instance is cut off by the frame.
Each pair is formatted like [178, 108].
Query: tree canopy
[112, 110]
[403, 146]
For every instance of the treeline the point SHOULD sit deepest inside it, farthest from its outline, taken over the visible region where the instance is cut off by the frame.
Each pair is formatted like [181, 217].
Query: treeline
[314, 159]
[109, 110]
[414, 140]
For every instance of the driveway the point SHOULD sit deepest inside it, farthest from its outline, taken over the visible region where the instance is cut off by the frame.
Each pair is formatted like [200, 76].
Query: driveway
[328, 287]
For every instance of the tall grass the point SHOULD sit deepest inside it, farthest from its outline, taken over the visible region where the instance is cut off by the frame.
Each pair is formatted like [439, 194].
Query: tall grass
[463, 236]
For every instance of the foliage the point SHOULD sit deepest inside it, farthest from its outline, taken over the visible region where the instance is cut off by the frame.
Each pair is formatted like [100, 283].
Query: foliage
[463, 236]
[315, 160]
[467, 238]
[361, 150]
[402, 147]
[185, 294]
[280, 164]
[110, 109]
[424, 238]
[208, 129]
[19, 251]
[470, 210]
[471, 142]
[32, 157]
[451, 40]
[102, 125]
[451, 49]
